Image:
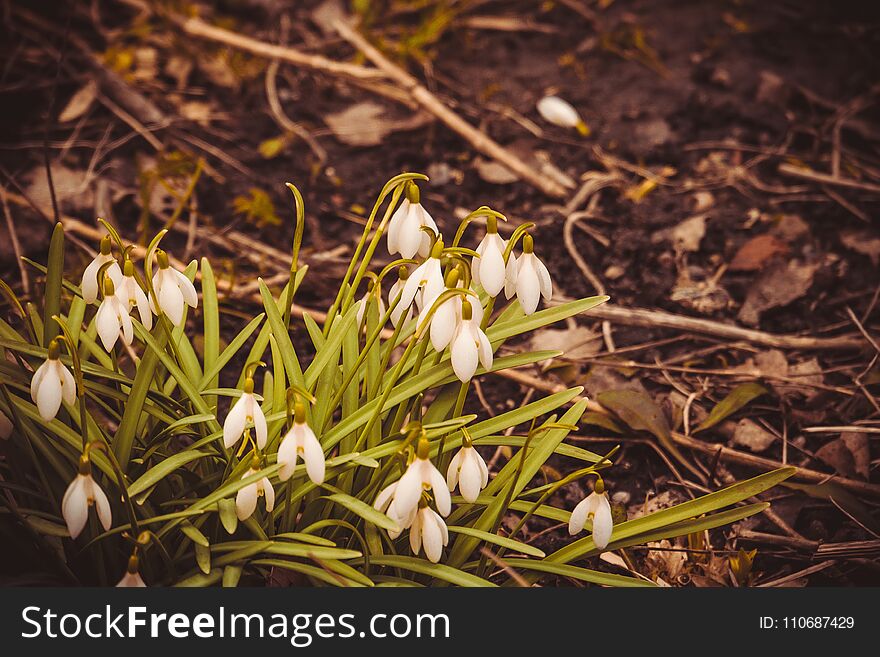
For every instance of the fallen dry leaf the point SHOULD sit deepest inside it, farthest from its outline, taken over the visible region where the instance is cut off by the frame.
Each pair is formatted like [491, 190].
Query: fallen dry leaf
[79, 103]
[777, 286]
[864, 243]
[752, 436]
[757, 252]
[361, 124]
[494, 172]
[849, 455]
[71, 188]
[687, 235]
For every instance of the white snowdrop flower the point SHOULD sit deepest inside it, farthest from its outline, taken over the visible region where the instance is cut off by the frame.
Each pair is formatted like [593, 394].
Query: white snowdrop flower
[89, 284]
[5, 426]
[469, 345]
[132, 578]
[245, 411]
[594, 507]
[82, 493]
[528, 278]
[489, 270]
[468, 470]
[445, 317]
[426, 281]
[559, 112]
[401, 313]
[131, 295]
[385, 503]
[362, 305]
[52, 383]
[421, 475]
[172, 290]
[246, 498]
[405, 234]
[301, 441]
[428, 531]
[112, 317]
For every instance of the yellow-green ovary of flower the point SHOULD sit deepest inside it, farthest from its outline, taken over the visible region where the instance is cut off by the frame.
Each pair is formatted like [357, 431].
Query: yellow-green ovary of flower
[246, 498]
[173, 291]
[112, 317]
[89, 286]
[469, 471]
[131, 295]
[428, 532]
[301, 441]
[52, 383]
[405, 234]
[527, 278]
[594, 507]
[469, 346]
[245, 411]
[82, 493]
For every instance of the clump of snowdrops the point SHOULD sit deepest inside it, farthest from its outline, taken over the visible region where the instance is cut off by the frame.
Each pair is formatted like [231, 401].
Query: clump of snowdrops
[134, 454]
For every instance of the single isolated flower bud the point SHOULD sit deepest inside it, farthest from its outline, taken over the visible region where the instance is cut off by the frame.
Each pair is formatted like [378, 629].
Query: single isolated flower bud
[82, 493]
[489, 269]
[405, 234]
[559, 112]
[301, 441]
[527, 277]
[52, 383]
[596, 508]
[172, 290]
[112, 317]
[245, 411]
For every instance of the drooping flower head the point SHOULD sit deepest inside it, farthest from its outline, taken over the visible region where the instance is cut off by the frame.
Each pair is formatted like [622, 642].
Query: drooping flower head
[469, 346]
[52, 383]
[528, 278]
[428, 531]
[173, 291]
[82, 493]
[246, 498]
[420, 476]
[560, 112]
[468, 471]
[596, 508]
[300, 441]
[245, 412]
[112, 317]
[372, 293]
[425, 283]
[132, 295]
[489, 269]
[405, 234]
[90, 284]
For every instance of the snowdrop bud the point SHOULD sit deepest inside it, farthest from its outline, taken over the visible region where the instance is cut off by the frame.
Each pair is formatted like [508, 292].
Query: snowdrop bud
[428, 531]
[82, 493]
[596, 508]
[5, 426]
[559, 112]
[489, 270]
[112, 316]
[400, 313]
[131, 295]
[405, 234]
[421, 475]
[172, 290]
[90, 281]
[301, 441]
[244, 412]
[469, 471]
[132, 578]
[528, 278]
[52, 383]
[470, 345]
[246, 498]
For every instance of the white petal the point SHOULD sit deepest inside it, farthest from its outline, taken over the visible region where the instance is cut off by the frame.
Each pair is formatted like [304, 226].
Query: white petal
[411, 287]
[384, 497]
[125, 324]
[313, 455]
[235, 422]
[432, 537]
[90, 280]
[443, 325]
[394, 226]
[102, 504]
[187, 289]
[409, 490]
[143, 306]
[452, 470]
[415, 534]
[107, 324]
[68, 384]
[428, 221]
[602, 522]
[544, 280]
[75, 506]
[260, 427]
[471, 478]
[410, 235]
[579, 516]
[246, 500]
[49, 393]
[484, 350]
[287, 456]
[464, 355]
[484, 470]
[268, 493]
[510, 274]
[170, 298]
[37, 378]
[440, 490]
[131, 580]
[528, 289]
[492, 269]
